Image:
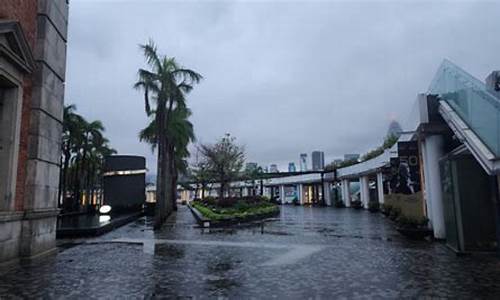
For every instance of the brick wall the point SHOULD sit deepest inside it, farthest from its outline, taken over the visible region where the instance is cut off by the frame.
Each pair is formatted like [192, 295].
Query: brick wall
[25, 12]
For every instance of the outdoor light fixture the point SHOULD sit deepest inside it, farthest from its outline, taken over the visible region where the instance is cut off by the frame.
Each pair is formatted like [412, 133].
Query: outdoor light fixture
[105, 209]
[125, 172]
[103, 219]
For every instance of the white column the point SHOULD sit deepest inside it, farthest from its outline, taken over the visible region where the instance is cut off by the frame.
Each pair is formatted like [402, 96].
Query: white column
[364, 190]
[282, 194]
[346, 193]
[326, 189]
[300, 196]
[433, 152]
[425, 191]
[380, 187]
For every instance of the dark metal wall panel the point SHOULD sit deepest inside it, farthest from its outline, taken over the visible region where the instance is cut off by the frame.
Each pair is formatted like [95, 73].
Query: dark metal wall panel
[125, 192]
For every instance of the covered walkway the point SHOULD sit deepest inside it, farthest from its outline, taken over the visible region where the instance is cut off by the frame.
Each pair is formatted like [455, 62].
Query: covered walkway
[451, 152]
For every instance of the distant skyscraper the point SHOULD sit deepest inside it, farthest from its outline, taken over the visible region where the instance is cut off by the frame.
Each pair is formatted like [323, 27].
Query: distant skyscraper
[318, 160]
[394, 129]
[291, 167]
[251, 166]
[303, 162]
[351, 156]
[273, 168]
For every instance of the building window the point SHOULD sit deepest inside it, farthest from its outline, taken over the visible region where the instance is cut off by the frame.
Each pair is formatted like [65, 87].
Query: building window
[3, 155]
[8, 139]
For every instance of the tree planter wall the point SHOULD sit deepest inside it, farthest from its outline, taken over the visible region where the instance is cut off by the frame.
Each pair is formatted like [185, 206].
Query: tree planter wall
[414, 233]
[206, 222]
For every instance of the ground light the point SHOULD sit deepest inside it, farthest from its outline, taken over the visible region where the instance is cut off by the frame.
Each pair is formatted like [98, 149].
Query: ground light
[104, 210]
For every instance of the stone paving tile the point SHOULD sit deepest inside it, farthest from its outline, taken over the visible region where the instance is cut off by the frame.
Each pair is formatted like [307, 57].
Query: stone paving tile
[360, 256]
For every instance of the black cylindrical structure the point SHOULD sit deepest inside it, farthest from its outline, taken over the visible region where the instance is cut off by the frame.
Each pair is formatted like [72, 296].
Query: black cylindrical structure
[125, 182]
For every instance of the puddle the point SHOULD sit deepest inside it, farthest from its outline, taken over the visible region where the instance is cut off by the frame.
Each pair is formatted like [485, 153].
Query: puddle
[170, 251]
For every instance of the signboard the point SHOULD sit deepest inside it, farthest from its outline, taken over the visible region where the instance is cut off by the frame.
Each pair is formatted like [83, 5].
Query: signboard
[405, 169]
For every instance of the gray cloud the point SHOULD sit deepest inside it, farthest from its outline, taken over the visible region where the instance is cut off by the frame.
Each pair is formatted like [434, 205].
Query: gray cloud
[283, 77]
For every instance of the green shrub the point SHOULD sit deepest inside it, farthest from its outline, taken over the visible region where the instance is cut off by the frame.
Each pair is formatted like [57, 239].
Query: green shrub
[240, 208]
[395, 213]
[386, 208]
[210, 200]
[412, 222]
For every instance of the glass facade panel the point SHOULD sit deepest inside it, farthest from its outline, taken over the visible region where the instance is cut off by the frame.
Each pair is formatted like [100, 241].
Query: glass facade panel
[470, 99]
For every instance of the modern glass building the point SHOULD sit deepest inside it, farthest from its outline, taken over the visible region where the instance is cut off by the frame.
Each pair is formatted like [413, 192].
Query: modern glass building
[318, 160]
[303, 162]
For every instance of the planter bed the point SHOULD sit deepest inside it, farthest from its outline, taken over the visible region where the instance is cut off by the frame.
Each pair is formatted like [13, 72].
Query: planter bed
[72, 226]
[207, 218]
[414, 233]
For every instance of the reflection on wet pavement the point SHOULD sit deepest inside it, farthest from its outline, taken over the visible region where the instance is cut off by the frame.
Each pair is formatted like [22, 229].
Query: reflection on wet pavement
[306, 253]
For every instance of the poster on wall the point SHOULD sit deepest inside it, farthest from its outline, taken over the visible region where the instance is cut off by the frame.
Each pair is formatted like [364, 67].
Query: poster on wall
[405, 169]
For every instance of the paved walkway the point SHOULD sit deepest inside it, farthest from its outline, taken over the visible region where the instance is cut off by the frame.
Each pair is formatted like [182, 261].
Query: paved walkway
[306, 253]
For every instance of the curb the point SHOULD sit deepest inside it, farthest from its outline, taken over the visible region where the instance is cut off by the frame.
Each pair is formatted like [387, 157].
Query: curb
[202, 221]
[206, 223]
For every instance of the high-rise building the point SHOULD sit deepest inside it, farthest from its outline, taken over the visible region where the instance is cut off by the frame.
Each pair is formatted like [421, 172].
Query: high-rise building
[251, 166]
[318, 160]
[273, 168]
[394, 129]
[351, 156]
[303, 162]
[291, 167]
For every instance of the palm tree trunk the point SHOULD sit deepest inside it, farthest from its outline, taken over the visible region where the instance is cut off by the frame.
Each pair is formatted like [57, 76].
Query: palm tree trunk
[168, 181]
[173, 177]
[174, 190]
[160, 195]
[221, 193]
[76, 185]
[87, 185]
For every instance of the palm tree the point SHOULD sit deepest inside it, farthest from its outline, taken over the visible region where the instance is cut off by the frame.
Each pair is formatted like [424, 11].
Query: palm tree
[71, 125]
[180, 132]
[93, 134]
[166, 83]
[99, 150]
[72, 140]
[83, 150]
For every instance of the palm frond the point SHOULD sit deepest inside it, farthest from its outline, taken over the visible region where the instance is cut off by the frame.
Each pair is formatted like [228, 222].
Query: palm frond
[151, 55]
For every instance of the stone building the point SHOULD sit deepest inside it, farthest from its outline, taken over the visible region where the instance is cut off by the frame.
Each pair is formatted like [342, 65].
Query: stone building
[33, 35]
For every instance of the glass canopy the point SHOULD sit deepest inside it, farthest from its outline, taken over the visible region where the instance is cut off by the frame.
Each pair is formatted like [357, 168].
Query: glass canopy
[471, 100]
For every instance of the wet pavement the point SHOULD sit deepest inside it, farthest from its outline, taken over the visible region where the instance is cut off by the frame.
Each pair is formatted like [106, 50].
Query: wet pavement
[306, 253]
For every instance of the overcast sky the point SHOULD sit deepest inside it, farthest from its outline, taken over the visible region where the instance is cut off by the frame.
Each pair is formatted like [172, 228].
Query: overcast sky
[283, 77]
